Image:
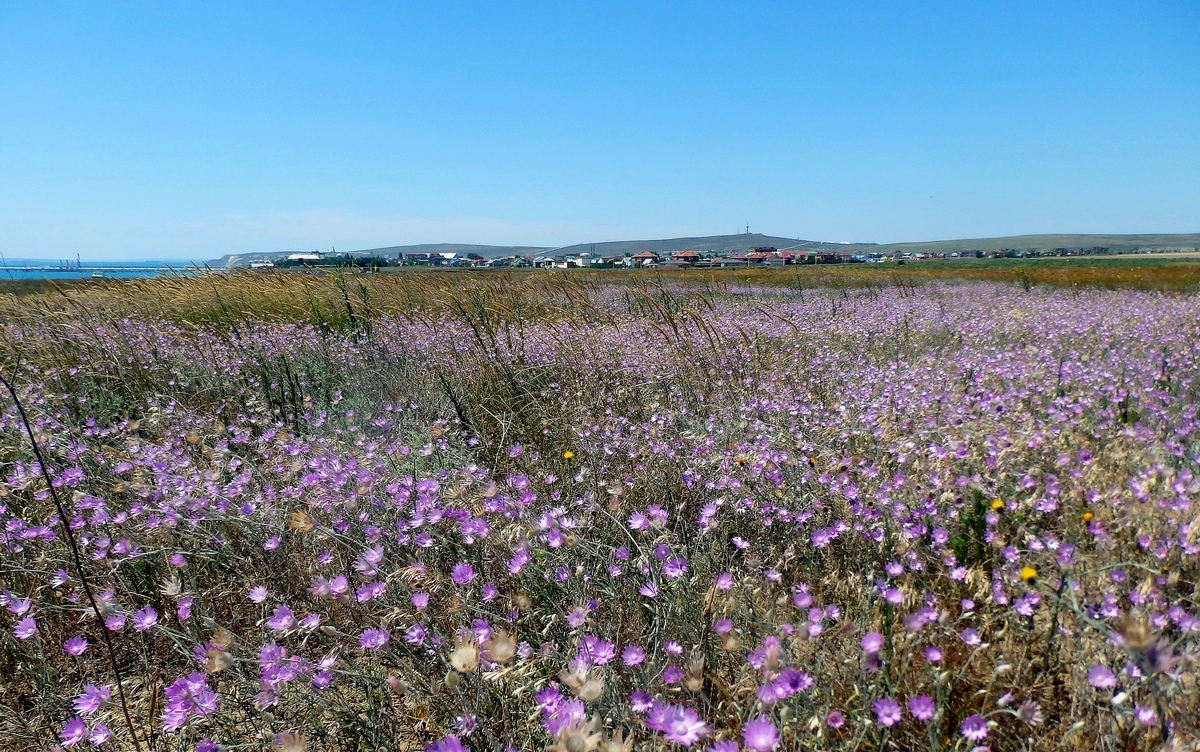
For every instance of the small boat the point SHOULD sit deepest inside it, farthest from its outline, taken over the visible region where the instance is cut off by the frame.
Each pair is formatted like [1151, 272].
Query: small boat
[97, 275]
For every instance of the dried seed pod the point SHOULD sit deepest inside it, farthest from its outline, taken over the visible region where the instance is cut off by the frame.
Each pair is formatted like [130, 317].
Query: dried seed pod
[171, 586]
[693, 677]
[591, 689]
[464, 658]
[290, 741]
[617, 742]
[500, 647]
[218, 660]
[301, 521]
[223, 638]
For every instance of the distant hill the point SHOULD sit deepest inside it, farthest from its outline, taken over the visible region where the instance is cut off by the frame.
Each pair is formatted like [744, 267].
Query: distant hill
[705, 244]
[1079, 242]
[741, 242]
[1112, 243]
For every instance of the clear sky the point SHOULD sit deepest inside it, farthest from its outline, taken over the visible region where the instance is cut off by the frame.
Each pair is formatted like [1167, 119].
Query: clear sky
[188, 130]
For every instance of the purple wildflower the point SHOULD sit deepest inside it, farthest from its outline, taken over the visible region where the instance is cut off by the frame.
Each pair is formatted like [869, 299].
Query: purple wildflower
[73, 732]
[100, 734]
[446, 744]
[872, 642]
[560, 716]
[92, 699]
[189, 695]
[466, 724]
[801, 598]
[462, 573]
[633, 655]
[577, 616]
[373, 639]
[921, 707]
[674, 568]
[974, 727]
[597, 652]
[887, 711]
[25, 628]
[145, 618]
[282, 620]
[75, 646]
[640, 701]
[415, 634]
[760, 734]
[369, 591]
[677, 723]
[1101, 677]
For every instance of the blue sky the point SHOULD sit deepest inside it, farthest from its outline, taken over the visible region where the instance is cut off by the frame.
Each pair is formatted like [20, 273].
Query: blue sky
[190, 130]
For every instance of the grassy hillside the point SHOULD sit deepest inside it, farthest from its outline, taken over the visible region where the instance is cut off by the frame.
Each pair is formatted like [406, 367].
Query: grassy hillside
[702, 244]
[1114, 243]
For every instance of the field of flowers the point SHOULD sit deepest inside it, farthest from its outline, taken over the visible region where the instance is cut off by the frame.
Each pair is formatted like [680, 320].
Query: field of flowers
[416, 512]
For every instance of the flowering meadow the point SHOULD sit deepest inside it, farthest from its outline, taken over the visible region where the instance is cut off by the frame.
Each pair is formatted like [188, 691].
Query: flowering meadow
[485, 512]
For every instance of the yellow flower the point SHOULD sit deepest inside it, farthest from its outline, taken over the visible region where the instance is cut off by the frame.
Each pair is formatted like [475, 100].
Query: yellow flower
[568, 454]
[997, 504]
[1087, 516]
[1028, 573]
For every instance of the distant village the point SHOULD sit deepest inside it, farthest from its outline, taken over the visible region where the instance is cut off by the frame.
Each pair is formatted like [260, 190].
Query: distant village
[756, 256]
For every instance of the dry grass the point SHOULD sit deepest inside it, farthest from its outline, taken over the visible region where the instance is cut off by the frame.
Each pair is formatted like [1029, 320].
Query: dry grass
[333, 297]
[854, 430]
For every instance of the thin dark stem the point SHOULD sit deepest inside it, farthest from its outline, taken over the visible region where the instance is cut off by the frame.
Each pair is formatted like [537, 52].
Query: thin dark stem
[70, 534]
